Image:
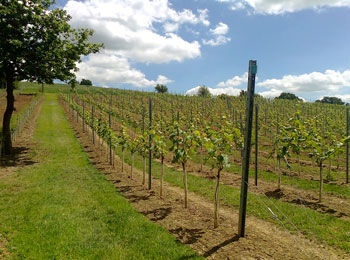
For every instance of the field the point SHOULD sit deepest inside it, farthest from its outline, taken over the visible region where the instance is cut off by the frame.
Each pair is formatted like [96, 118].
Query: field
[299, 209]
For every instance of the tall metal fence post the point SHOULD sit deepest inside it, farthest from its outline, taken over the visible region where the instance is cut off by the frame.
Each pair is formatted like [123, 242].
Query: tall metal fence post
[247, 146]
[347, 146]
[256, 142]
[150, 147]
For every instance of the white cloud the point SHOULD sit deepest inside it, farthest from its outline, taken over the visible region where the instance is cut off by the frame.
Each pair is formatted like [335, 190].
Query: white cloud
[110, 68]
[171, 27]
[203, 16]
[284, 6]
[329, 81]
[344, 98]
[128, 30]
[220, 29]
[220, 40]
[126, 27]
[163, 80]
[216, 91]
[270, 93]
[235, 81]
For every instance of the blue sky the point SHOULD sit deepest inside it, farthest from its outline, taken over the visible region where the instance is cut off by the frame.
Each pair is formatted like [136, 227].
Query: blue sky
[300, 46]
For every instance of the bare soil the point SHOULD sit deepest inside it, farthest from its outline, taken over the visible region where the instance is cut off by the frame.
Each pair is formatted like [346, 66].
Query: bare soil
[194, 226]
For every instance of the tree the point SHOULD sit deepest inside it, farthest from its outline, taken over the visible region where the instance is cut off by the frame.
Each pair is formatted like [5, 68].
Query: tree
[322, 148]
[203, 91]
[290, 96]
[219, 143]
[86, 82]
[243, 93]
[37, 44]
[2, 83]
[160, 88]
[183, 146]
[331, 100]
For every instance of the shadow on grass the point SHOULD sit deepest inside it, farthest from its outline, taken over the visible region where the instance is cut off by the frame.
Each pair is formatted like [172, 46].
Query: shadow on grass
[18, 158]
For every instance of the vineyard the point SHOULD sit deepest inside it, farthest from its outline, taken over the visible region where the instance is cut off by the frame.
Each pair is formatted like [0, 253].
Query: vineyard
[299, 167]
[25, 105]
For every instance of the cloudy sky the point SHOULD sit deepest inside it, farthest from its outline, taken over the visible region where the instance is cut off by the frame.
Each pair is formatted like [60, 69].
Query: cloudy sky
[301, 46]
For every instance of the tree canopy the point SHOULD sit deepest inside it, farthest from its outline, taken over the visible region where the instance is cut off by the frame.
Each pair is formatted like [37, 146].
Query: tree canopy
[331, 100]
[243, 93]
[86, 82]
[37, 44]
[203, 91]
[160, 88]
[290, 96]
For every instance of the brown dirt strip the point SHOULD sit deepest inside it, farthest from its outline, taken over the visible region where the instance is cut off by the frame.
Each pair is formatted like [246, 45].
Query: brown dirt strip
[194, 225]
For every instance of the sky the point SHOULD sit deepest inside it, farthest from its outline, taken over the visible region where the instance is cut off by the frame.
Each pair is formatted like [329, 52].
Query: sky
[301, 46]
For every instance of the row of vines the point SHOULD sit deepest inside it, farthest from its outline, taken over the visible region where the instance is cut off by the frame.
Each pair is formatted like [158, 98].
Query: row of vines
[209, 131]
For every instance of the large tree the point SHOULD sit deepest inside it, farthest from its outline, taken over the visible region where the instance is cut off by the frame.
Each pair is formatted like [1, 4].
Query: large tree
[290, 96]
[37, 44]
[331, 100]
[160, 88]
[203, 91]
[86, 82]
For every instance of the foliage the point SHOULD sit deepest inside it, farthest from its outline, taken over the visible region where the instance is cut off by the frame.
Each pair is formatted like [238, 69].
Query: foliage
[159, 141]
[290, 96]
[331, 100]
[243, 93]
[160, 88]
[183, 143]
[37, 44]
[86, 82]
[203, 91]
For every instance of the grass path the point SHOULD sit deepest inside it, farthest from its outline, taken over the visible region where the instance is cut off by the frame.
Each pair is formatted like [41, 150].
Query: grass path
[63, 208]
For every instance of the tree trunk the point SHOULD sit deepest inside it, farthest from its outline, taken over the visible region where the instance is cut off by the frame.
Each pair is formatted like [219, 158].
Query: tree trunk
[321, 183]
[185, 183]
[216, 202]
[6, 130]
[279, 172]
[161, 177]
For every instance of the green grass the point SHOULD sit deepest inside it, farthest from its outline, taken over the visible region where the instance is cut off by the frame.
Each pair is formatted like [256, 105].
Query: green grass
[63, 208]
[313, 224]
[296, 182]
